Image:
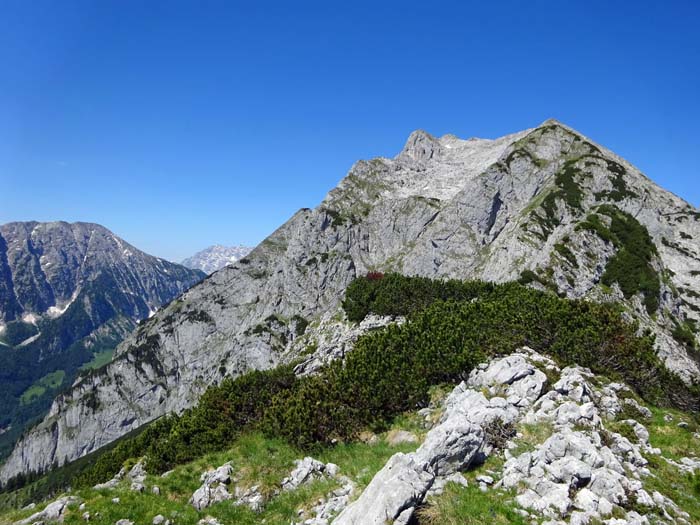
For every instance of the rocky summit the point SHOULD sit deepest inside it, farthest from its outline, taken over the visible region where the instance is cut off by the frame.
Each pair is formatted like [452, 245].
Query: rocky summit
[546, 207]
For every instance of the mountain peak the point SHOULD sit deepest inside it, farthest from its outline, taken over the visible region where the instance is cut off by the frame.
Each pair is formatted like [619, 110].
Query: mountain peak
[216, 257]
[420, 147]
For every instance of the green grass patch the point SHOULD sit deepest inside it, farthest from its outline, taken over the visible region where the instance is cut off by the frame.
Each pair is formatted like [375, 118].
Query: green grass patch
[256, 460]
[675, 442]
[683, 489]
[48, 382]
[99, 359]
[533, 434]
[459, 505]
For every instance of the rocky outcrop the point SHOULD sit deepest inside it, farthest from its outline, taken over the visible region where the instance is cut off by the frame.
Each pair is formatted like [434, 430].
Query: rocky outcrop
[581, 473]
[452, 446]
[214, 487]
[308, 470]
[444, 207]
[136, 476]
[53, 512]
[329, 338]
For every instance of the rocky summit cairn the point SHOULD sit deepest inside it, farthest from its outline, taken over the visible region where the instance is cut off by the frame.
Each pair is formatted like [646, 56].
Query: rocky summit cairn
[545, 206]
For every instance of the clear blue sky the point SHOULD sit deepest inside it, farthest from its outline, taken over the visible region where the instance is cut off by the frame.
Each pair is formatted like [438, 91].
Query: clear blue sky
[183, 124]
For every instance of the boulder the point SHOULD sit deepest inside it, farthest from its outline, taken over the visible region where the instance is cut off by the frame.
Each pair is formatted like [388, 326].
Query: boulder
[513, 377]
[307, 470]
[400, 485]
[54, 511]
[451, 446]
[214, 487]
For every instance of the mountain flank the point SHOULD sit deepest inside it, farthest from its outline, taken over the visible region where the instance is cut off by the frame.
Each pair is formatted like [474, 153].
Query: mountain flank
[69, 293]
[545, 206]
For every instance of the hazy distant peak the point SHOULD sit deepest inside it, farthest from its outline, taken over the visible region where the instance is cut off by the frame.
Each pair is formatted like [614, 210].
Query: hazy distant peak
[216, 257]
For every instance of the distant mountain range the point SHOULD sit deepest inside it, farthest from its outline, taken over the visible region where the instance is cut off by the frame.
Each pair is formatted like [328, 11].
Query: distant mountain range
[216, 257]
[69, 293]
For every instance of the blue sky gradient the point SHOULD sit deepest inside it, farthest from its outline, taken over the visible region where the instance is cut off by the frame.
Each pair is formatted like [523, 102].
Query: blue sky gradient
[183, 124]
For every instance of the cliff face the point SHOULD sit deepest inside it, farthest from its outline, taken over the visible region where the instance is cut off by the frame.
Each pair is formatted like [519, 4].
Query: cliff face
[43, 266]
[546, 206]
[67, 293]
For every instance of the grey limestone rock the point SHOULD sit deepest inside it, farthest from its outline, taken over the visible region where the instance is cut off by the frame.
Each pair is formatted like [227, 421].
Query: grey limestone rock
[400, 485]
[214, 487]
[54, 511]
[442, 208]
[308, 470]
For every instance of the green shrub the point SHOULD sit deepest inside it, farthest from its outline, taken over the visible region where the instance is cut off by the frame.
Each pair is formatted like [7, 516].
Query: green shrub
[631, 266]
[395, 294]
[300, 325]
[566, 253]
[220, 416]
[684, 335]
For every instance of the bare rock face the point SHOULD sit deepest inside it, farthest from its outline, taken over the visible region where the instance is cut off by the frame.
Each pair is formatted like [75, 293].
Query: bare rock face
[44, 267]
[444, 207]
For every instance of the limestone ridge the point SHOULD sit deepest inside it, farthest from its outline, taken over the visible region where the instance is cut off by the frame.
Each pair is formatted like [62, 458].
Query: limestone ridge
[542, 205]
[580, 471]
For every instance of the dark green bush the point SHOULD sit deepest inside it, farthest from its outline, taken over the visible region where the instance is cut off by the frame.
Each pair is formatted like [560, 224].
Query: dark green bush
[390, 371]
[631, 266]
[395, 294]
